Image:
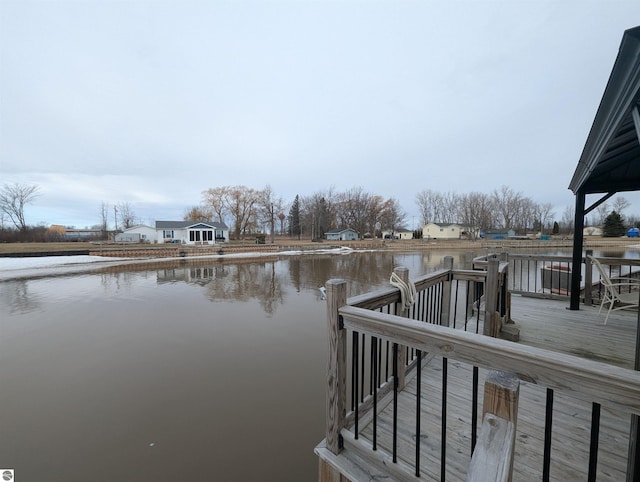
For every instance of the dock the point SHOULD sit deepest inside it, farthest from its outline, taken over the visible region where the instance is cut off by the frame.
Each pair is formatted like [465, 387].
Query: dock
[564, 428]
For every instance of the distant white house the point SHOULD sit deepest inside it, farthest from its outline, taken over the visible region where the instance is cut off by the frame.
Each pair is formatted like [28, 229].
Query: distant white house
[341, 235]
[140, 233]
[442, 231]
[399, 234]
[191, 232]
[592, 231]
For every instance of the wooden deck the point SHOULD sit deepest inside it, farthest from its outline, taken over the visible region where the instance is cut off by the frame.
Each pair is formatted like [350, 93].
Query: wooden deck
[545, 324]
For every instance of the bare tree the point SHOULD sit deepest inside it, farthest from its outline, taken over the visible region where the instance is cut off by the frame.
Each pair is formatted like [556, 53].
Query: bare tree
[426, 201]
[13, 199]
[241, 204]
[318, 212]
[508, 204]
[476, 213]
[392, 216]
[544, 214]
[215, 199]
[620, 204]
[127, 215]
[566, 223]
[104, 217]
[449, 204]
[269, 206]
[603, 212]
[376, 214]
[198, 213]
[436, 207]
[353, 208]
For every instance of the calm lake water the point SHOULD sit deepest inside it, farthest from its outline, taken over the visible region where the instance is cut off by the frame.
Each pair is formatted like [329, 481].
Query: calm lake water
[174, 371]
[207, 371]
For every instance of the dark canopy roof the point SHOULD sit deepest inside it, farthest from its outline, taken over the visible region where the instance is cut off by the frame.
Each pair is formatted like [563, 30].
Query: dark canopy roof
[610, 160]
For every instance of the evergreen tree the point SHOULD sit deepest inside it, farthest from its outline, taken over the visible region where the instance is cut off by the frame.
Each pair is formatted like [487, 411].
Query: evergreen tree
[556, 227]
[294, 218]
[613, 226]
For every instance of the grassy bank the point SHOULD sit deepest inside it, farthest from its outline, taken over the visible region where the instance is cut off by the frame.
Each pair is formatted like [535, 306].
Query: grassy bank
[286, 243]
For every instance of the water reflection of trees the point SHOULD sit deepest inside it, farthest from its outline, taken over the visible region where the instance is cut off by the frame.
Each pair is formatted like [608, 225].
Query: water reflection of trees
[14, 295]
[118, 281]
[240, 281]
[363, 271]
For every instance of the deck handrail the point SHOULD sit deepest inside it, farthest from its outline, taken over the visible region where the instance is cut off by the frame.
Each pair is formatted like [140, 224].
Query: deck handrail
[549, 276]
[364, 317]
[353, 397]
[585, 379]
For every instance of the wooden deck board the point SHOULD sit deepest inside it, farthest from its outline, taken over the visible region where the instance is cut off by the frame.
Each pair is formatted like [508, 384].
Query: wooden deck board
[575, 332]
[548, 324]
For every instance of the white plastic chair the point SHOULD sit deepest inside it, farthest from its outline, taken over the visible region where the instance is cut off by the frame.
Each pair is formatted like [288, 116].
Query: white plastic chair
[612, 290]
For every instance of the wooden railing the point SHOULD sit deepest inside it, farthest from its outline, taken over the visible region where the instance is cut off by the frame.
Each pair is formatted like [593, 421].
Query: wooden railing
[549, 276]
[368, 373]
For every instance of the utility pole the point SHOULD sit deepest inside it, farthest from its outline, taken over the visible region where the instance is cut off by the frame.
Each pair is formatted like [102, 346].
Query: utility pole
[115, 216]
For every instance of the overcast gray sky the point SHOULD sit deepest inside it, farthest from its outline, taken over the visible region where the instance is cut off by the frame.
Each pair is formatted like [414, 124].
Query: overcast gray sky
[152, 102]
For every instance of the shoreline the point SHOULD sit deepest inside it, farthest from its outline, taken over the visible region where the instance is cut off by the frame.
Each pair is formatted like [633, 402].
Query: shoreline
[286, 245]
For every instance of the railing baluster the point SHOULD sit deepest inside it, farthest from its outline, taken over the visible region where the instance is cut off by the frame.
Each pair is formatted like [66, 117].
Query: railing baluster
[395, 403]
[548, 419]
[466, 307]
[362, 369]
[418, 407]
[374, 377]
[474, 409]
[356, 338]
[440, 305]
[455, 303]
[379, 363]
[443, 414]
[480, 289]
[425, 308]
[353, 370]
[386, 365]
[593, 446]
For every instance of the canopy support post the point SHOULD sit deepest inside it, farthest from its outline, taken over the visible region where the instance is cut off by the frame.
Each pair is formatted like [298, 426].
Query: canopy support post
[578, 240]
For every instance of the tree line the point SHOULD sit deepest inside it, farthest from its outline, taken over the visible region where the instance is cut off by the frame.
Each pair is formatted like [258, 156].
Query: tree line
[249, 211]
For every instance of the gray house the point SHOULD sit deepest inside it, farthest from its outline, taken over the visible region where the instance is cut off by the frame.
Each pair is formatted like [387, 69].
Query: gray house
[341, 235]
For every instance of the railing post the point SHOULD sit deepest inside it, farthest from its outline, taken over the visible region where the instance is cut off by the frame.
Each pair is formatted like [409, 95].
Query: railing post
[445, 313]
[403, 274]
[491, 316]
[588, 279]
[492, 458]
[336, 365]
[501, 392]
